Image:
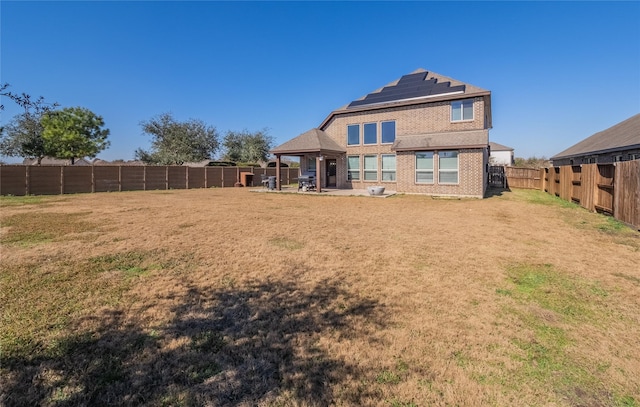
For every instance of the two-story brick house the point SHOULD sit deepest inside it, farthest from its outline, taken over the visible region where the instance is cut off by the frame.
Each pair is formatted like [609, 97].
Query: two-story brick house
[423, 133]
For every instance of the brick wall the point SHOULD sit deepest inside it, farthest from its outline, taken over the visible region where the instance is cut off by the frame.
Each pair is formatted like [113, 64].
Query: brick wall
[411, 120]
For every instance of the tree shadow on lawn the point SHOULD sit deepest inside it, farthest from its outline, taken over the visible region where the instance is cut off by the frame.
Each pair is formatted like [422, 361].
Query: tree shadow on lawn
[243, 346]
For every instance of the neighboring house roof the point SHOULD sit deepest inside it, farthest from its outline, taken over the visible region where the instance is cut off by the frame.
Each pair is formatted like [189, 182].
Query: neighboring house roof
[498, 147]
[417, 87]
[624, 135]
[448, 140]
[54, 161]
[312, 141]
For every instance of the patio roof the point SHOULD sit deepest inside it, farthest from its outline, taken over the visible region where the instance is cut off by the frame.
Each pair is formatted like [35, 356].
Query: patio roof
[312, 141]
[442, 141]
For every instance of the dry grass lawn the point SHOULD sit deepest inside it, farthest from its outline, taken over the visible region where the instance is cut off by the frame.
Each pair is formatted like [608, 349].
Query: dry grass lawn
[227, 297]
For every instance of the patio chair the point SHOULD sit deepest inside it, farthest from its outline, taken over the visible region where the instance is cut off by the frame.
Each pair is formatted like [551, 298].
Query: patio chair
[264, 179]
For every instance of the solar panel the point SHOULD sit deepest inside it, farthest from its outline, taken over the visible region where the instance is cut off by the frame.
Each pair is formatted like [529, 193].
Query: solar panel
[409, 87]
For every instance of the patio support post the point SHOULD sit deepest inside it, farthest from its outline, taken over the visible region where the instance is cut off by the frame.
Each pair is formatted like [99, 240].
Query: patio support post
[318, 175]
[278, 186]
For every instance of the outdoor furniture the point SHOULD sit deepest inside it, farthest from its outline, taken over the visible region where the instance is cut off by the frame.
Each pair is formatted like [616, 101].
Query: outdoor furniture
[306, 183]
[264, 180]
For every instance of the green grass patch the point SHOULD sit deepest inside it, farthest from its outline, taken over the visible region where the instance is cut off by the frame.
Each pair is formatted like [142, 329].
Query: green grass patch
[26, 229]
[387, 377]
[131, 264]
[25, 200]
[42, 300]
[566, 296]
[537, 197]
[552, 306]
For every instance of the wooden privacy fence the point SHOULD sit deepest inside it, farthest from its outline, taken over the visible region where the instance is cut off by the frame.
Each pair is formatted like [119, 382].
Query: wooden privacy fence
[613, 189]
[54, 180]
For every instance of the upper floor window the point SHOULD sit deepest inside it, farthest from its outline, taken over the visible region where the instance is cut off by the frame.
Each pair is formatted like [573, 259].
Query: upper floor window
[353, 134]
[388, 131]
[370, 133]
[462, 110]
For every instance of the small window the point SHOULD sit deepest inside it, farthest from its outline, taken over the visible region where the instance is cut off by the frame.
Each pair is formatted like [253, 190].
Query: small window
[462, 110]
[370, 133]
[448, 167]
[388, 167]
[353, 134]
[370, 167]
[424, 168]
[353, 168]
[388, 131]
[311, 165]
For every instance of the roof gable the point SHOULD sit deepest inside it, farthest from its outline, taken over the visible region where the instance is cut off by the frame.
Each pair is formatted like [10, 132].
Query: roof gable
[623, 135]
[312, 141]
[409, 87]
[420, 86]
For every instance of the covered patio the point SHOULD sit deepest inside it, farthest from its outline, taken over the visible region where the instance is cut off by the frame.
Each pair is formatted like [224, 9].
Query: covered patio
[313, 145]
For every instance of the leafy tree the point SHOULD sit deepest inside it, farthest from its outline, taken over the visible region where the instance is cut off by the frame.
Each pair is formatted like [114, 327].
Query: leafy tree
[247, 147]
[23, 135]
[532, 162]
[177, 142]
[73, 132]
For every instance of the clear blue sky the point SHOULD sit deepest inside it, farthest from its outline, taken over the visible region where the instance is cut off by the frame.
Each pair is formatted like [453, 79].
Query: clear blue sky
[558, 71]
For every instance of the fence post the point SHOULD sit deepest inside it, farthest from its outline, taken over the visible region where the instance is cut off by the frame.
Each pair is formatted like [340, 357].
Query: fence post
[62, 180]
[93, 179]
[166, 178]
[144, 177]
[27, 179]
[119, 178]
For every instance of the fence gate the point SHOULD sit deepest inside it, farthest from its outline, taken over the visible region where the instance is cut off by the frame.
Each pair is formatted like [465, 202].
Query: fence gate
[497, 177]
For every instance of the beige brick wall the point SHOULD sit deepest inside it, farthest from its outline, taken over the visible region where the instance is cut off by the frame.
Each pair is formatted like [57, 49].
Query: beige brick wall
[410, 120]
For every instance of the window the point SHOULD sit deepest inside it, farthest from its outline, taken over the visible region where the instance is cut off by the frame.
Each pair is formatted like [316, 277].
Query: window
[311, 165]
[353, 168]
[388, 132]
[424, 168]
[448, 167]
[462, 110]
[388, 167]
[370, 167]
[353, 134]
[370, 133]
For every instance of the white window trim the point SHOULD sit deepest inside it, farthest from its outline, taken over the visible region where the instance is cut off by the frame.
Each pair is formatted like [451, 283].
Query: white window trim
[364, 143]
[359, 134]
[359, 170]
[395, 129]
[457, 170]
[432, 170]
[462, 119]
[383, 170]
[364, 170]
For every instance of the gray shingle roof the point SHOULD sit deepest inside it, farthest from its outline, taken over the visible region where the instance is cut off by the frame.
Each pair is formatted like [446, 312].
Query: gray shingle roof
[499, 147]
[448, 140]
[312, 141]
[622, 136]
